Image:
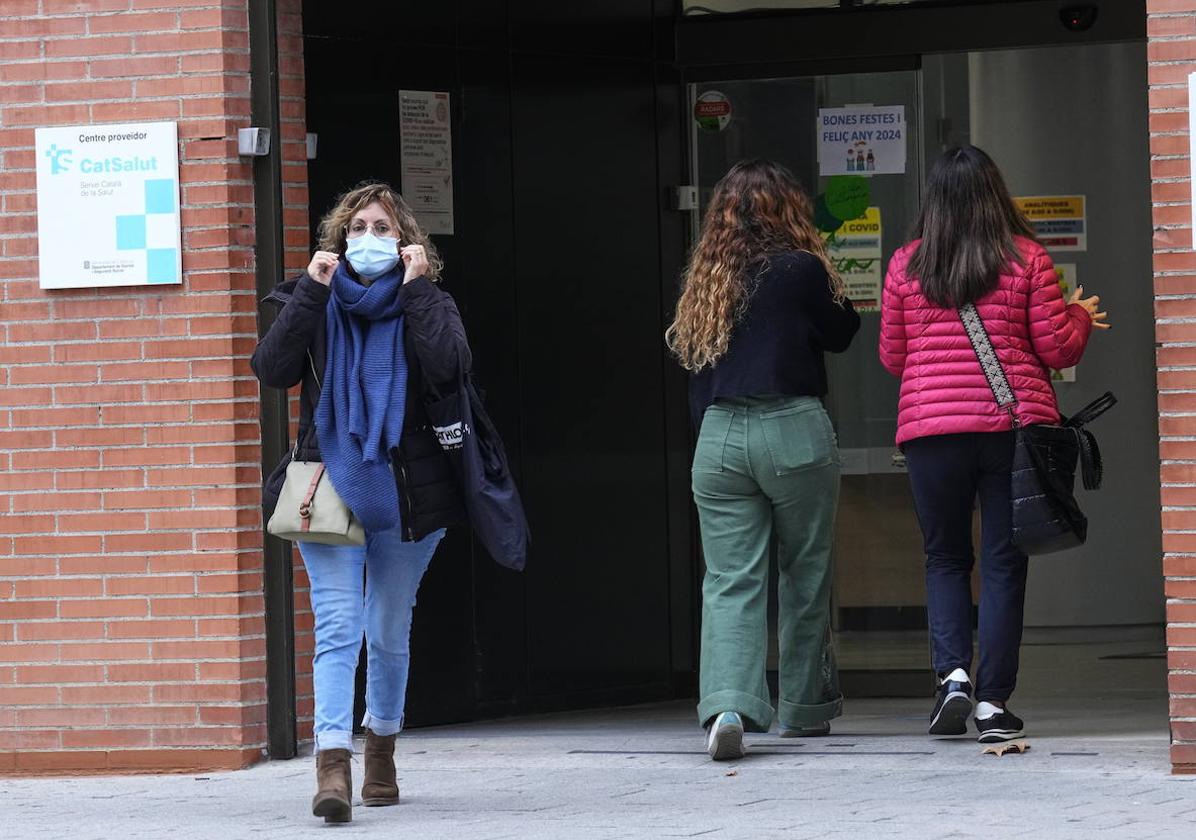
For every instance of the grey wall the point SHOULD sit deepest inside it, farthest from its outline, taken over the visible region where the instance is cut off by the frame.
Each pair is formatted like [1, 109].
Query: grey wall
[1072, 121]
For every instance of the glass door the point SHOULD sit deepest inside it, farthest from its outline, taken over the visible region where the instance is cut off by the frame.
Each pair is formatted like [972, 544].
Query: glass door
[855, 142]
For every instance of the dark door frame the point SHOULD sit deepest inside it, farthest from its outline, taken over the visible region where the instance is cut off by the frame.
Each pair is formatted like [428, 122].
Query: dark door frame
[681, 528]
[281, 738]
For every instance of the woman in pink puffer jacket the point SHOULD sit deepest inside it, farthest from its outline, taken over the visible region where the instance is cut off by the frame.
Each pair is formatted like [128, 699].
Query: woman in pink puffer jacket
[972, 245]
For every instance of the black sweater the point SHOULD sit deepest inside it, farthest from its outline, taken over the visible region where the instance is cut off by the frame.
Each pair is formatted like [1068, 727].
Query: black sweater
[777, 345]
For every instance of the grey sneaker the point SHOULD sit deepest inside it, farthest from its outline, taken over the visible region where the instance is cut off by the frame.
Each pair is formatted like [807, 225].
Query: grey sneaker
[724, 739]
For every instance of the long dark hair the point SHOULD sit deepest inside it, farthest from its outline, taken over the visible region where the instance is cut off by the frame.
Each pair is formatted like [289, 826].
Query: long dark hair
[967, 226]
[758, 209]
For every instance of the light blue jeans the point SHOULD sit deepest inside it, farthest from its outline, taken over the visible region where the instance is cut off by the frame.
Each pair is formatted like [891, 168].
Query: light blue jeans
[363, 589]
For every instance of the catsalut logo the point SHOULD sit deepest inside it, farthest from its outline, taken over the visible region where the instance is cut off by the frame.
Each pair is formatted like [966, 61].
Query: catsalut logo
[60, 159]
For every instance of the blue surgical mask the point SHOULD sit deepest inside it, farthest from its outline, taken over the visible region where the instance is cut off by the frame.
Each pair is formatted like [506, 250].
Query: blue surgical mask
[372, 256]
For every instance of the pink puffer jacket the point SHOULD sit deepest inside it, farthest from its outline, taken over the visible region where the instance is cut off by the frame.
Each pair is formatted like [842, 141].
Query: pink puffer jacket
[943, 389]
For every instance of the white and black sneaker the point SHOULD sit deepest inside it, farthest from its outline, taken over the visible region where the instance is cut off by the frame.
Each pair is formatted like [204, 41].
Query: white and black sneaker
[1001, 725]
[724, 739]
[954, 704]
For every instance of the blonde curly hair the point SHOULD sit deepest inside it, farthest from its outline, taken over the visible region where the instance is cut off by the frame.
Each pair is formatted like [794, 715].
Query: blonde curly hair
[757, 210]
[335, 224]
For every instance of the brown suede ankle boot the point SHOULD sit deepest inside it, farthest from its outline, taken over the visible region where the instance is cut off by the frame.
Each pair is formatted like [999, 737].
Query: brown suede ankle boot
[380, 786]
[334, 786]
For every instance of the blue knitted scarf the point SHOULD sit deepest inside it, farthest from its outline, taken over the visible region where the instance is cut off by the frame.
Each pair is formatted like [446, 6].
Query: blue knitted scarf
[360, 414]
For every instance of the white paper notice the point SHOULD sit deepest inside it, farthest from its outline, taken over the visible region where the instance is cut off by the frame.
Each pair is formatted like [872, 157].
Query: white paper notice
[861, 140]
[426, 151]
[108, 205]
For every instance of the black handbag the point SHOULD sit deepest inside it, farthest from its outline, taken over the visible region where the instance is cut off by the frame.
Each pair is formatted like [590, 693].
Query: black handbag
[473, 445]
[1046, 515]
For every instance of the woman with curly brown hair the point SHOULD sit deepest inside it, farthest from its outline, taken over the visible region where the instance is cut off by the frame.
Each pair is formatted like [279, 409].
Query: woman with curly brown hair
[761, 302]
[365, 330]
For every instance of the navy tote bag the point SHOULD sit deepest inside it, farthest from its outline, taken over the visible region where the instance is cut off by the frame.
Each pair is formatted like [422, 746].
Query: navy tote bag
[473, 445]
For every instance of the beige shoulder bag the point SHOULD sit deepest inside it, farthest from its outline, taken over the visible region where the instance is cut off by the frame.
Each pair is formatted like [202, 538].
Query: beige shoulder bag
[309, 508]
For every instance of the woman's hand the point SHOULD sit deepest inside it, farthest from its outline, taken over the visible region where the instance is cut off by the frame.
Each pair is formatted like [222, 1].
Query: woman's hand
[416, 260]
[1092, 307]
[321, 267]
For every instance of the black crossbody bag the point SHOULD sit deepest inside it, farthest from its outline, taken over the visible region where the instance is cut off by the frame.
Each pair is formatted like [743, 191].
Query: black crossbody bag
[1046, 516]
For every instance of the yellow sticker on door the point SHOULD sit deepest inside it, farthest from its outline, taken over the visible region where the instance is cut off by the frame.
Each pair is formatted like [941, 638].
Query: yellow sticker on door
[1060, 221]
[855, 251]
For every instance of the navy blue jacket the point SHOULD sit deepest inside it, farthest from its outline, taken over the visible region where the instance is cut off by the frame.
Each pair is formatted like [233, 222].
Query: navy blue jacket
[777, 346]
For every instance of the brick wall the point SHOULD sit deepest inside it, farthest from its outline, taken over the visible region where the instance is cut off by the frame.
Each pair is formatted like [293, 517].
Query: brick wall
[1172, 55]
[131, 619]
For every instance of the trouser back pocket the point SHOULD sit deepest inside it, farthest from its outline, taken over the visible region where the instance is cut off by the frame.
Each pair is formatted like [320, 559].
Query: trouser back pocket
[798, 437]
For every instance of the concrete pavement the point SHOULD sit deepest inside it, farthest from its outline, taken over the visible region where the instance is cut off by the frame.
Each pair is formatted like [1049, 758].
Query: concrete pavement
[641, 772]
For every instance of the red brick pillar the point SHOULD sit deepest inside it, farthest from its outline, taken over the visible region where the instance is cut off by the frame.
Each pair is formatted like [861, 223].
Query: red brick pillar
[131, 617]
[1172, 55]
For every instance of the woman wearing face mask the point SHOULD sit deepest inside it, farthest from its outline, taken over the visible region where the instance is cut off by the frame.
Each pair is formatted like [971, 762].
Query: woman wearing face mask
[364, 333]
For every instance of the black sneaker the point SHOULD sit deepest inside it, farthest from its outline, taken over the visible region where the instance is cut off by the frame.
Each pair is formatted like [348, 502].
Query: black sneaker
[1003, 726]
[951, 710]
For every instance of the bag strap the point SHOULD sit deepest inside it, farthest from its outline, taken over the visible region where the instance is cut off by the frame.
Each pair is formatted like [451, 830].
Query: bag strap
[314, 372]
[989, 362]
[1090, 459]
[1093, 410]
[305, 505]
[1092, 467]
[320, 385]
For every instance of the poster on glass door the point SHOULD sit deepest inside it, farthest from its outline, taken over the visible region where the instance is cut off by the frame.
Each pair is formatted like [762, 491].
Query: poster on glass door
[861, 140]
[855, 251]
[1060, 221]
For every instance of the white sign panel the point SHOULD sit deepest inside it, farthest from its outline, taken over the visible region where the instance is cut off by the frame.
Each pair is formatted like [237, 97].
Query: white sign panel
[861, 140]
[108, 205]
[426, 152]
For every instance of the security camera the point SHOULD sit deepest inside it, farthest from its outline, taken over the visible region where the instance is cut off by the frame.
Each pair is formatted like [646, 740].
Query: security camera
[1079, 18]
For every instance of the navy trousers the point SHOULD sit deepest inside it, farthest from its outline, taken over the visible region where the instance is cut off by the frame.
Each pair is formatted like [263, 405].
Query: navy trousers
[948, 474]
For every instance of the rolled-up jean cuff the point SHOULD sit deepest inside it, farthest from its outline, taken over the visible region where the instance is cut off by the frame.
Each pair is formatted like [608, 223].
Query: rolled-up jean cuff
[334, 740]
[382, 727]
[756, 714]
[798, 715]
